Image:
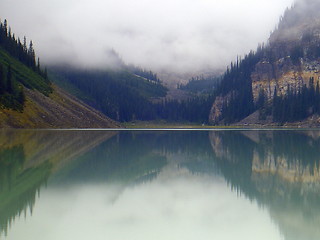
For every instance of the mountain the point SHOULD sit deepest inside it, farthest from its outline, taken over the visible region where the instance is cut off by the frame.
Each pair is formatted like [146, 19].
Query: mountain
[28, 99]
[279, 82]
[124, 93]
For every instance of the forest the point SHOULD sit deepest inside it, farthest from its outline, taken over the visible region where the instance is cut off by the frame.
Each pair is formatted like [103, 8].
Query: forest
[296, 104]
[126, 97]
[18, 69]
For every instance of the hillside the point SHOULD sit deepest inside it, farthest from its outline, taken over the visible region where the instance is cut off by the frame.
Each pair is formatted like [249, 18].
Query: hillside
[28, 99]
[279, 82]
[59, 110]
[126, 93]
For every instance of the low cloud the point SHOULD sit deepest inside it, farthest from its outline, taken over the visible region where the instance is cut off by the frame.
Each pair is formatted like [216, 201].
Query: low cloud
[175, 35]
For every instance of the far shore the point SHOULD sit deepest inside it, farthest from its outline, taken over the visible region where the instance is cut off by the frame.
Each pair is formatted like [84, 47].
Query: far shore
[176, 125]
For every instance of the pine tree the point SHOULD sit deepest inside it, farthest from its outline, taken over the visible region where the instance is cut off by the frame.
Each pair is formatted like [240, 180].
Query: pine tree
[25, 44]
[5, 27]
[32, 55]
[38, 66]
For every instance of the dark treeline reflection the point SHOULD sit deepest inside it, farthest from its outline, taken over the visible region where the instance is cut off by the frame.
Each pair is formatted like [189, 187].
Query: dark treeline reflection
[28, 158]
[278, 169]
[18, 186]
[138, 156]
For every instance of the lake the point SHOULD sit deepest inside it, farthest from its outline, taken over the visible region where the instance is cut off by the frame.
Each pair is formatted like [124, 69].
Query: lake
[136, 185]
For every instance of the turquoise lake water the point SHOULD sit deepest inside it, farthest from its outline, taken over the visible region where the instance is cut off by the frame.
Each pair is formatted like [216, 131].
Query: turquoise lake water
[136, 185]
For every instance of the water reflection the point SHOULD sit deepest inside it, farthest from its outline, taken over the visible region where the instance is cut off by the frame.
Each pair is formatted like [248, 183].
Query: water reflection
[279, 169]
[28, 158]
[142, 185]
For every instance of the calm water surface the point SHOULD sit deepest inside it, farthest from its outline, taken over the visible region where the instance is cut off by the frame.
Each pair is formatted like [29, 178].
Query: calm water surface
[136, 185]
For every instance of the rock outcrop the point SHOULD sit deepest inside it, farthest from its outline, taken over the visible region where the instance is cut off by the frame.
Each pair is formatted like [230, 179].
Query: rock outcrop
[289, 60]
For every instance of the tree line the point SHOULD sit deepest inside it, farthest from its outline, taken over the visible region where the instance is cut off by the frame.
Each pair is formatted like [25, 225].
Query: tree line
[18, 69]
[22, 51]
[296, 104]
[200, 84]
[147, 74]
[11, 93]
[236, 87]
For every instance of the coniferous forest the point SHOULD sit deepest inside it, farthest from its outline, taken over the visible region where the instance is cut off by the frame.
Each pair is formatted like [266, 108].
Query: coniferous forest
[18, 68]
[126, 97]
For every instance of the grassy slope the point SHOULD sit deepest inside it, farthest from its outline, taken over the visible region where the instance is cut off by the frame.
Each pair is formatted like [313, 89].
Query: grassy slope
[25, 75]
[60, 110]
[46, 105]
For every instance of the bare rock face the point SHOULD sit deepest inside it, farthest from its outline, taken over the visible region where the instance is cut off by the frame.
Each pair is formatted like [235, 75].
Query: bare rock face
[263, 71]
[282, 76]
[216, 110]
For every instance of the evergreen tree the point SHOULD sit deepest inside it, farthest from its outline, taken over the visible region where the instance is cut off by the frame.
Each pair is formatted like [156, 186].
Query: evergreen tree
[25, 49]
[32, 56]
[261, 104]
[38, 66]
[5, 27]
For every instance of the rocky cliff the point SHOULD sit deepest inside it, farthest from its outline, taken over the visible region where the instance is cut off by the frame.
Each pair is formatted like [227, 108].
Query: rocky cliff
[288, 61]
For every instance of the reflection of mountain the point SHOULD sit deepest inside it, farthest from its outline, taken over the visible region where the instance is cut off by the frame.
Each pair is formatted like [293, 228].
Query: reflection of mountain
[134, 157]
[57, 146]
[280, 169]
[27, 159]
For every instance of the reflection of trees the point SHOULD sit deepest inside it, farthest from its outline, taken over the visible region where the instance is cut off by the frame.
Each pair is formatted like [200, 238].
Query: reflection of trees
[297, 148]
[139, 156]
[18, 186]
[279, 169]
[27, 159]
[125, 158]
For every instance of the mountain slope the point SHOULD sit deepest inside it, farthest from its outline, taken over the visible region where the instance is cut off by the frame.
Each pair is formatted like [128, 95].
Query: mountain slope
[59, 110]
[279, 83]
[120, 93]
[28, 99]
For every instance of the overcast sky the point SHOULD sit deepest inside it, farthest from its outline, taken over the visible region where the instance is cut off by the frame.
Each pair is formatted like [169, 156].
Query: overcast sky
[178, 34]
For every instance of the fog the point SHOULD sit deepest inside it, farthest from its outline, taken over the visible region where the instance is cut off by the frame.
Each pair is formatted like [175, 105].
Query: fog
[303, 18]
[174, 35]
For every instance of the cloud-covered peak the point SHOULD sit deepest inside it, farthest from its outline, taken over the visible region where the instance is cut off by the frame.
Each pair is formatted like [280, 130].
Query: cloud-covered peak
[179, 35]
